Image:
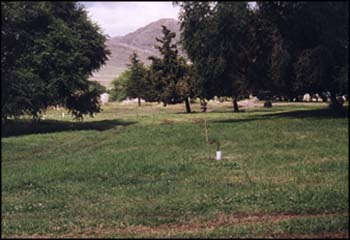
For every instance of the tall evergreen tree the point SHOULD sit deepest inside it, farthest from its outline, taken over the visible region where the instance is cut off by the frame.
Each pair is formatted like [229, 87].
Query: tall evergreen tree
[169, 74]
[136, 84]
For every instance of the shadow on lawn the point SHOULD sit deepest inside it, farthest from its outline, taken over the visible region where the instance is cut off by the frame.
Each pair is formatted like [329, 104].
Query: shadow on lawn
[186, 113]
[24, 127]
[325, 113]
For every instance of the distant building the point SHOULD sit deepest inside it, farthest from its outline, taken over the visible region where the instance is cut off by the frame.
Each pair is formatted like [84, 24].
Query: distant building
[306, 97]
[104, 98]
[132, 100]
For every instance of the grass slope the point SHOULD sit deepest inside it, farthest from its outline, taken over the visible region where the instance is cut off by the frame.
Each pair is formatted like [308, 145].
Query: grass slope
[147, 172]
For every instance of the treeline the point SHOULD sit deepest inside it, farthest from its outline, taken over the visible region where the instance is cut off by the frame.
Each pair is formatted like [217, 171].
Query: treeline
[168, 79]
[236, 49]
[50, 49]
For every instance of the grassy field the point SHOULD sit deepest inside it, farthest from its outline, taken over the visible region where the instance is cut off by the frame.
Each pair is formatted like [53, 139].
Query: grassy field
[148, 172]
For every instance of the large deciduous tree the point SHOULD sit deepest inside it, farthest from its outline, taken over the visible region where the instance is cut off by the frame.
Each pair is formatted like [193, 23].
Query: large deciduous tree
[48, 52]
[118, 90]
[216, 38]
[288, 48]
[197, 32]
[310, 45]
[232, 48]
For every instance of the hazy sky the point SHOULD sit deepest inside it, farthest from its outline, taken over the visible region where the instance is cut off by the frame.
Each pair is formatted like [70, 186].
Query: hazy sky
[120, 18]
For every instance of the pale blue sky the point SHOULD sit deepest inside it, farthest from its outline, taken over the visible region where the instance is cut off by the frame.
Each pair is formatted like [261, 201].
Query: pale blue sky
[120, 18]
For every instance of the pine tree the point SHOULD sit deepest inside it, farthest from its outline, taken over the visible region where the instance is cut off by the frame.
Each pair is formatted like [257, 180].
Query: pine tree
[136, 84]
[169, 74]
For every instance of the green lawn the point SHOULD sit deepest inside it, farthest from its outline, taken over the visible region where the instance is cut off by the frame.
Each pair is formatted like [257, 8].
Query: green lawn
[148, 172]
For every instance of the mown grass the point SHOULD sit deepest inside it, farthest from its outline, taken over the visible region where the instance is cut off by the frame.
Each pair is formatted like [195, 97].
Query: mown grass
[141, 172]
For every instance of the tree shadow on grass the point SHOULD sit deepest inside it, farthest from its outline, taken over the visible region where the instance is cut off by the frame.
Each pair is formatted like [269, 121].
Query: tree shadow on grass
[186, 113]
[324, 113]
[315, 113]
[24, 127]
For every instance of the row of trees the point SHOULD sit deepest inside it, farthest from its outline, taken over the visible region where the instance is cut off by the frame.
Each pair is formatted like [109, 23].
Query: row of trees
[48, 52]
[288, 48]
[167, 79]
[50, 49]
[284, 48]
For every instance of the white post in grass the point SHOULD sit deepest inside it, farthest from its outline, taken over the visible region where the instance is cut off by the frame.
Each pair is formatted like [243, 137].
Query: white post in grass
[218, 151]
[218, 155]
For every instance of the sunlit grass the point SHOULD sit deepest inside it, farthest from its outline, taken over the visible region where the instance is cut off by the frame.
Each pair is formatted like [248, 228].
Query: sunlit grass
[151, 167]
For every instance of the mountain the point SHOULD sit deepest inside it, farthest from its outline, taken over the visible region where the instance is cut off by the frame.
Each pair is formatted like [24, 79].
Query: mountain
[142, 41]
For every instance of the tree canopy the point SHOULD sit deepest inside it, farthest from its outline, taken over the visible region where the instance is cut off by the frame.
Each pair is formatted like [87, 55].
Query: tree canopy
[48, 52]
[169, 74]
[118, 91]
[216, 38]
[136, 85]
[288, 48]
[310, 44]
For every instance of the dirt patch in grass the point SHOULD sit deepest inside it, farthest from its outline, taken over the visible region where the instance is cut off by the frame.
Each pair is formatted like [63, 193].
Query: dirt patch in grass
[314, 236]
[199, 225]
[222, 220]
[167, 121]
[196, 120]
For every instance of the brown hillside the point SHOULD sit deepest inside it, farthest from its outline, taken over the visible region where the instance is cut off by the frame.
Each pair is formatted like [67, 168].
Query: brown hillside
[141, 41]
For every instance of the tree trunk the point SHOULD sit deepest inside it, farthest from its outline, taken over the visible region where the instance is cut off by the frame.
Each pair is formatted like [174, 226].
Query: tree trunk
[203, 105]
[268, 104]
[235, 105]
[139, 101]
[4, 119]
[335, 104]
[333, 98]
[188, 107]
